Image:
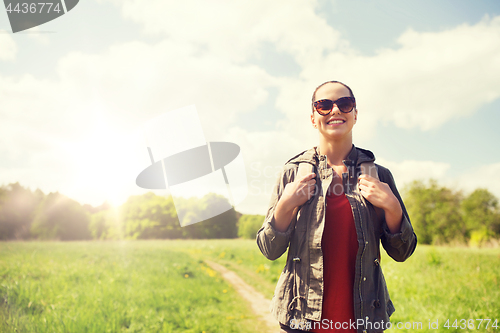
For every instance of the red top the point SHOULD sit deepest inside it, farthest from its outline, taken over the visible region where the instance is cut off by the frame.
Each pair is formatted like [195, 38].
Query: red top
[340, 247]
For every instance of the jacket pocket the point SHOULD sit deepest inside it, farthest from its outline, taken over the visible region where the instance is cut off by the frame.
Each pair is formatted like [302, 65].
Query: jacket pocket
[281, 296]
[389, 307]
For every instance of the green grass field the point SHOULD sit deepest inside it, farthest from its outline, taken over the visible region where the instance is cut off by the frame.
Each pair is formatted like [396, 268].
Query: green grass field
[164, 286]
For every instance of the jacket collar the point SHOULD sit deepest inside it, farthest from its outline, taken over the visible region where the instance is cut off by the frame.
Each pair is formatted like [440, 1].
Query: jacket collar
[356, 156]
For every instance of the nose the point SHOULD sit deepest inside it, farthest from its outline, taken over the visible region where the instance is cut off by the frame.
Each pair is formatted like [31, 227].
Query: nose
[335, 109]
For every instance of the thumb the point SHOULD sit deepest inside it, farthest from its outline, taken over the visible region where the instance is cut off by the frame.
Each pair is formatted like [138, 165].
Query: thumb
[307, 177]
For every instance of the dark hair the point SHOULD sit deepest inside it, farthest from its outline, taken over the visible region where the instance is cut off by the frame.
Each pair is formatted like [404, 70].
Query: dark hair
[321, 85]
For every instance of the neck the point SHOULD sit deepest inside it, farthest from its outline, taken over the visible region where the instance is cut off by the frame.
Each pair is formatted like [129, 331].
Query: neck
[335, 151]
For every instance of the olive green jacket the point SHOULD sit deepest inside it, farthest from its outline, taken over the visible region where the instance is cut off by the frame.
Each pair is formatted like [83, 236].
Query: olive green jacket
[299, 293]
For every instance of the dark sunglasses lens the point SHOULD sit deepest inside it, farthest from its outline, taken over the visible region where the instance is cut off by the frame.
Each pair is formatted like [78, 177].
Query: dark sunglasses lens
[323, 106]
[345, 104]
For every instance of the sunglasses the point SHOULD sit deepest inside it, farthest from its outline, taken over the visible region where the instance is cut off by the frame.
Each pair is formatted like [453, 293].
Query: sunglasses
[325, 106]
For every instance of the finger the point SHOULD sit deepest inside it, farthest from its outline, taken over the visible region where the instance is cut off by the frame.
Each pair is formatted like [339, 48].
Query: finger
[366, 193]
[366, 177]
[368, 181]
[364, 182]
[308, 177]
[312, 191]
[363, 189]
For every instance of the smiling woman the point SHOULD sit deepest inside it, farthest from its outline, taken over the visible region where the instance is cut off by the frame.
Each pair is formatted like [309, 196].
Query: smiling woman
[331, 208]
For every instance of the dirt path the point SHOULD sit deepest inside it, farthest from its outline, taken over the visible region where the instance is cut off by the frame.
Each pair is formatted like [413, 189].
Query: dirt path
[260, 305]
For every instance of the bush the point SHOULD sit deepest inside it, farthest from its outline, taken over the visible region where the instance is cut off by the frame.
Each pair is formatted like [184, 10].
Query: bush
[248, 225]
[480, 237]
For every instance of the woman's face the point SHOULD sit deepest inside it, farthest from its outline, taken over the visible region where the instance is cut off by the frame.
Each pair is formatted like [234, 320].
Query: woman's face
[336, 125]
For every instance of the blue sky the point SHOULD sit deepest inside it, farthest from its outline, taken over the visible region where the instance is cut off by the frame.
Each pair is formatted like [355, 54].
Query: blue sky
[73, 91]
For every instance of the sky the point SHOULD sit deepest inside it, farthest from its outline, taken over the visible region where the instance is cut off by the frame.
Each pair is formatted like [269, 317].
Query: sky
[75, 91]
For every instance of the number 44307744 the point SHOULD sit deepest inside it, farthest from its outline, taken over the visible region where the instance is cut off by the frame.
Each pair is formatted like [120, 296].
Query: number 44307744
[471, 323]
[33, 7]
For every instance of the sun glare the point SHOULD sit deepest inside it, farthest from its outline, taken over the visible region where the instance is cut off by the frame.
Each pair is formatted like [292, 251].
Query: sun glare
[104, 167]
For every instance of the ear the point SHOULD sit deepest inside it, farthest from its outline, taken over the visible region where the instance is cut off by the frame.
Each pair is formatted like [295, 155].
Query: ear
[313, 121]
[355, 115]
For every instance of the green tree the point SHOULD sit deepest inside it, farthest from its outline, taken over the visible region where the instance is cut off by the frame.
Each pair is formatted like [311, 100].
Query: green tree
[222, 225]
[17, 208]
[435, 212]
[60, 218]
[248, 225]
[98, 225]
[481, 213]
[107, 224]
[150, 216]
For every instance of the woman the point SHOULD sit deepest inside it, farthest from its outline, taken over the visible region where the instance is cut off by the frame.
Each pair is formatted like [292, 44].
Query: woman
[332, 219]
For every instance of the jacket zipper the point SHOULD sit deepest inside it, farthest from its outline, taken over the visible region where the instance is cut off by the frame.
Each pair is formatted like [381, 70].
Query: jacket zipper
[357, 205]
[361, 261]
[377, 269]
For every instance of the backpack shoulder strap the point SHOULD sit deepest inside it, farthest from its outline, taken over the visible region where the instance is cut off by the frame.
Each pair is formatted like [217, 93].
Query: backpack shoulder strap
[304, 169]
[370, 169]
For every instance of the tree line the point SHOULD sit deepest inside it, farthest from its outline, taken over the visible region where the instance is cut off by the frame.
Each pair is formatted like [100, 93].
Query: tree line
[27, 215]
[439, 215]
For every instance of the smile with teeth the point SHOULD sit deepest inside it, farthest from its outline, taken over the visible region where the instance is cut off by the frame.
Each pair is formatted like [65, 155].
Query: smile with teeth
[336, 121]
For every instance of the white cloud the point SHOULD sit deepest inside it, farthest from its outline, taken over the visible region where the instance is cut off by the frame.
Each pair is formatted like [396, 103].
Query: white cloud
[204, 58]
[482, 177]
[467, 181]
[234, 30]
[115, 91]
[136, 81]
[409, 170]
[421, 84]
[432, 78]
[8, 47]
[36, 34]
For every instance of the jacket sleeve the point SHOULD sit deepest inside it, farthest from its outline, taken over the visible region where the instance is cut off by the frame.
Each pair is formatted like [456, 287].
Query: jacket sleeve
[273, 243]
[401, 245]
